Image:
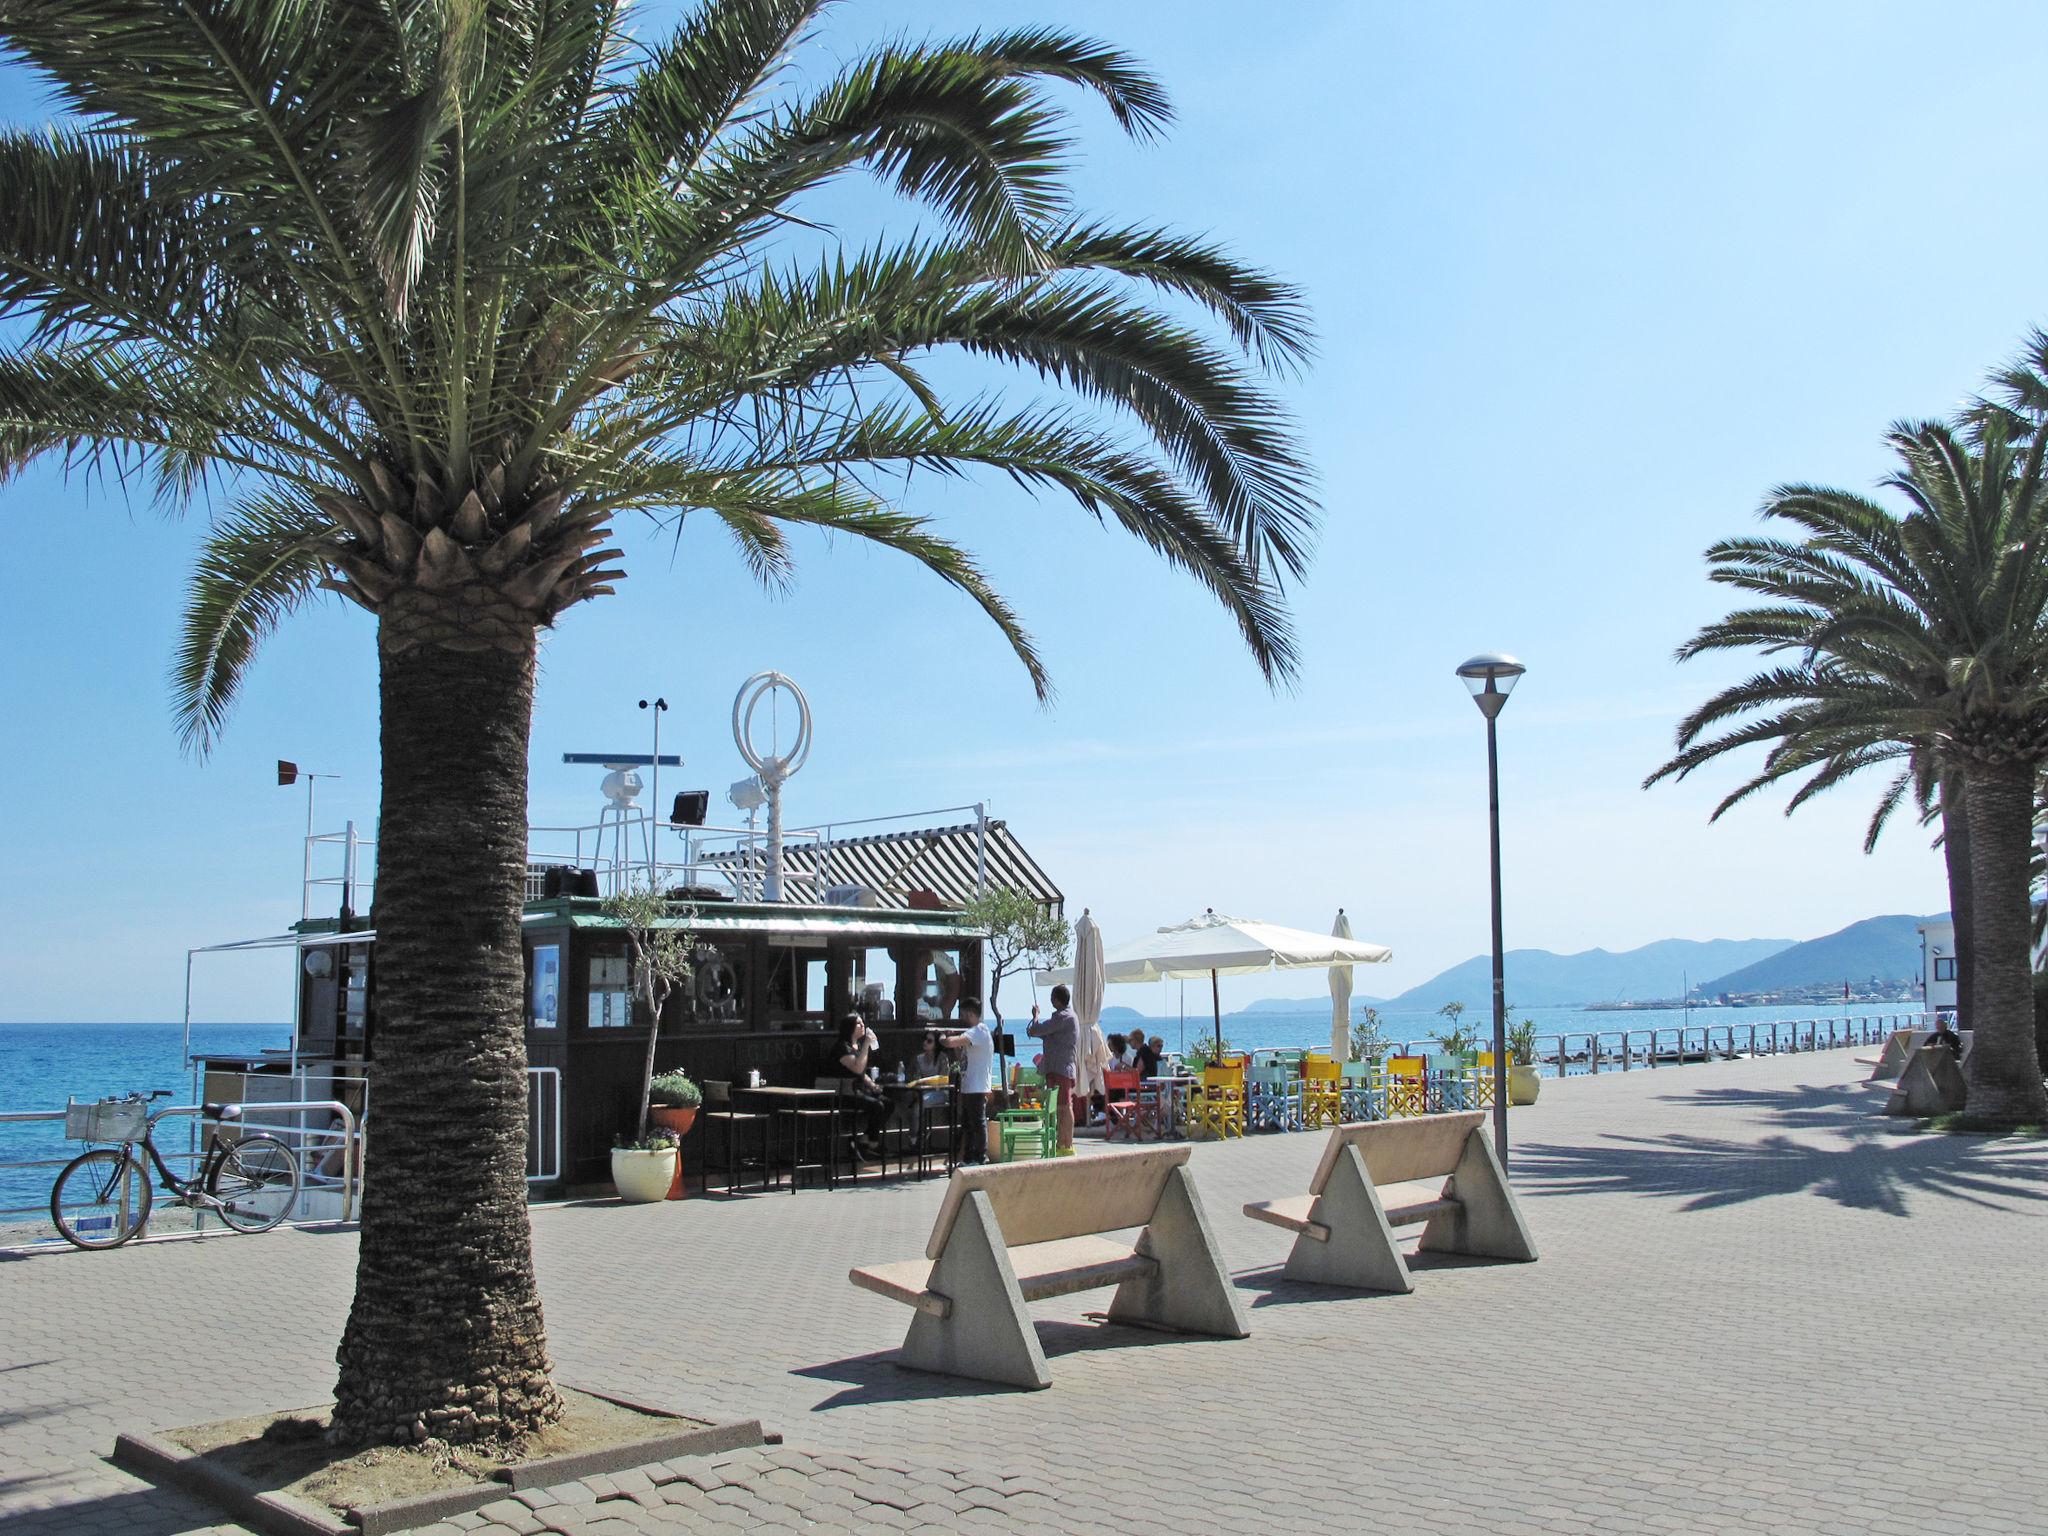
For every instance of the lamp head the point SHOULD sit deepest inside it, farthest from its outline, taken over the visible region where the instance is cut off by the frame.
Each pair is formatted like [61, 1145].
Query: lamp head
[1490, 676]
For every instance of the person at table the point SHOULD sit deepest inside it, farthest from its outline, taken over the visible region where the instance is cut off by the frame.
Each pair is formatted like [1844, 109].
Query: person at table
[1060, 1035]
[931, 1059]
[1145, 1053]
[856, 1050]
[977, 1049]
[1119, 1053]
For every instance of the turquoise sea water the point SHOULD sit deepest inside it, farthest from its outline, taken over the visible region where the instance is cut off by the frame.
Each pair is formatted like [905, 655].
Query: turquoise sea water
[42, 1064]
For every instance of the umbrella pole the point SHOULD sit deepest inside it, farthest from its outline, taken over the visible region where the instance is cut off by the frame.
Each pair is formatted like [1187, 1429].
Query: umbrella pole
[1216, 1001]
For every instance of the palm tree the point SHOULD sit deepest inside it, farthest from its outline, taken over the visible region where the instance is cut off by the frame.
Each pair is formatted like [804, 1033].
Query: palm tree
[435, 292]
[1918, 638]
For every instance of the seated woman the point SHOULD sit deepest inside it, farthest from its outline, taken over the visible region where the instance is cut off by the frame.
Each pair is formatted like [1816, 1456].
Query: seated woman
[854, 1053]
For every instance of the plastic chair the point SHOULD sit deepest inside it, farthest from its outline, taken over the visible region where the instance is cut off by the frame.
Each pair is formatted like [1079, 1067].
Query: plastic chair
[1479, 1082]
[1322, 1092]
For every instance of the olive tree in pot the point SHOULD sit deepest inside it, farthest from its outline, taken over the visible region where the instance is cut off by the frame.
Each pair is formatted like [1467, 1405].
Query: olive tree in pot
[1524, 1082]
[658, 946]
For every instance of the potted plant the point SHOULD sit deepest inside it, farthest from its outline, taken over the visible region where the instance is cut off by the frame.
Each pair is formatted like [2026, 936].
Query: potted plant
[1523, 1082]
[644, 1169]
[673, 1100]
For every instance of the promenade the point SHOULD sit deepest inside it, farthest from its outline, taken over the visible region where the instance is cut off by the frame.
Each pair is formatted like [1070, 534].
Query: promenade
[1761, 1307]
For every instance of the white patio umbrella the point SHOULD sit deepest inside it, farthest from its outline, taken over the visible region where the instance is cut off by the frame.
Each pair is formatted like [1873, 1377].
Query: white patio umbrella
[1090, 1049]
[1213, 945]
[1340, 995]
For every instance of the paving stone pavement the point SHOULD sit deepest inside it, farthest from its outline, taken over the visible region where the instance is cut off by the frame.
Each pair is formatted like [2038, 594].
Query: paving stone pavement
[1728, 1331]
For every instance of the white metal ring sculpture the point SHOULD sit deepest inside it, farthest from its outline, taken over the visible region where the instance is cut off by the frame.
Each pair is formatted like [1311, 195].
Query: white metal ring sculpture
[774, 766]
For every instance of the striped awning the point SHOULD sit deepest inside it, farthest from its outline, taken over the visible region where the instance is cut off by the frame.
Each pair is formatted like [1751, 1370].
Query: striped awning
[953, 863]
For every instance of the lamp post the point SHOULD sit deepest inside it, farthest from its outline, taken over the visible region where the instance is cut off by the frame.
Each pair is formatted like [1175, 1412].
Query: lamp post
[660, 708]
[1491, 678]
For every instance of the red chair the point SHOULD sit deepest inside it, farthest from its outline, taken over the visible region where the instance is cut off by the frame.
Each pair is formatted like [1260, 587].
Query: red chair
[1120, 1105]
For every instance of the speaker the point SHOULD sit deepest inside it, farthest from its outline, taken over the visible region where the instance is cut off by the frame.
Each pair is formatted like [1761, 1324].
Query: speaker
[585, 883]
[555, 881]
[690, 808]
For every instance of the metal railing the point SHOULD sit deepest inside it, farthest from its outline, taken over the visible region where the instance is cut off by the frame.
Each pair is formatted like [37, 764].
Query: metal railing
[1686, 1045]
[340, 867]
[326, 1195]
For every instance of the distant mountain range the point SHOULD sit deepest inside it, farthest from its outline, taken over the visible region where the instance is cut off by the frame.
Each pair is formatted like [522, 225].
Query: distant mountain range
[1537, 978]
[1876, 949]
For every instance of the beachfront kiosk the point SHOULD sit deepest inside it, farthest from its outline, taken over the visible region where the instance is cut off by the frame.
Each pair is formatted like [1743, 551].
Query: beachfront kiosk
[870, 922]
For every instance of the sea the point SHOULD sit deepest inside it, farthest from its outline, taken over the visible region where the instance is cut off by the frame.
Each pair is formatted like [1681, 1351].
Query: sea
[43, 1065]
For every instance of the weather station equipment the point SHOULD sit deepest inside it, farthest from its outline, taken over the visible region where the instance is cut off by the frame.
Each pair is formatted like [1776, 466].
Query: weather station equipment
[622, 816]
[772, 765]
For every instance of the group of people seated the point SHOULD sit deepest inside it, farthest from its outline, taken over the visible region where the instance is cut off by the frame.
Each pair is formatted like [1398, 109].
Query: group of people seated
[971, 1045]
[1133, 1052]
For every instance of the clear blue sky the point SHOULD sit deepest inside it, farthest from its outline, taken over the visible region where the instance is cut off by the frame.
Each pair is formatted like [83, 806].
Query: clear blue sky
[1589, 280]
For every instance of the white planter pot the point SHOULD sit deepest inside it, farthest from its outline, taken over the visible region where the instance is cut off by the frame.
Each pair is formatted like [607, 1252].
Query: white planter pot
[1524, 1084]
[643, 1176]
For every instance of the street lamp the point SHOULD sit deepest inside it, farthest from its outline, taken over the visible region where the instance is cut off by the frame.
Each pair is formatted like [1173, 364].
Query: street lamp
[1491, 678]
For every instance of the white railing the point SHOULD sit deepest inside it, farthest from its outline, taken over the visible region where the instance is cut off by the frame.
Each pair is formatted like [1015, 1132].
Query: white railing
[628, 846]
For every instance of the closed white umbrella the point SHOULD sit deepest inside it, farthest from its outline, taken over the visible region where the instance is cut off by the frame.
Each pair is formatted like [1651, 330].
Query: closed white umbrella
[1091, 1050]
[1340, 995]
[1213, 945]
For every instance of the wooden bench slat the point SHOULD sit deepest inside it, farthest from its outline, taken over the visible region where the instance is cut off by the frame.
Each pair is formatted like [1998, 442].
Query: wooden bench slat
[1421, 1210]
[1291, 1213]
[1057, 1268]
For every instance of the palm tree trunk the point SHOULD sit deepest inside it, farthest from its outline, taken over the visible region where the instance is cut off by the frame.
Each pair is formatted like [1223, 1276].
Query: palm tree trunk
[445, 1339]
[2004, 1071]
[1955, 851]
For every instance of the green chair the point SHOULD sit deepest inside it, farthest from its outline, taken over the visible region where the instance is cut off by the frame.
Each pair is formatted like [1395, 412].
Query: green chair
[1030, 1123]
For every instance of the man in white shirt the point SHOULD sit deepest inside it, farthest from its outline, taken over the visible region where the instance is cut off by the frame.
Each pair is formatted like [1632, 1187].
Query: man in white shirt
[977, 1072]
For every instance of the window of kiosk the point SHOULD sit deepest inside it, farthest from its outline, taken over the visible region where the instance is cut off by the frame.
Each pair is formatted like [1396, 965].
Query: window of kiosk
[715, 997]
[356, 997]
[795, 982]
[871, 985]
[608, 996]
[934, 983]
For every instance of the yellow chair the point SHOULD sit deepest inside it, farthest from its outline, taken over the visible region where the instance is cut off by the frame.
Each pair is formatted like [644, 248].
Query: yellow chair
[1407, 1087]
[1479, 1082]
[1221, 1105]
[1322, 1091]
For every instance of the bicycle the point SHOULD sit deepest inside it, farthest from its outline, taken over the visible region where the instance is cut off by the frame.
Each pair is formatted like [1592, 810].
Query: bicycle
[102, 1198]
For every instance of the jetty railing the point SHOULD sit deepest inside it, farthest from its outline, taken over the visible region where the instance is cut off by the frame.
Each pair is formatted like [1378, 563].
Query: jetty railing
[1682, 1045]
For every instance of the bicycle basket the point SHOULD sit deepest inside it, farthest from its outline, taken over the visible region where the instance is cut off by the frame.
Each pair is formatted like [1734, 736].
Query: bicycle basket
[107, 1120]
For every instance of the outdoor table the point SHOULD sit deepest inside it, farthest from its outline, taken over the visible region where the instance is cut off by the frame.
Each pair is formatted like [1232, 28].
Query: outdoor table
[1173, 1101]
[785, 1102]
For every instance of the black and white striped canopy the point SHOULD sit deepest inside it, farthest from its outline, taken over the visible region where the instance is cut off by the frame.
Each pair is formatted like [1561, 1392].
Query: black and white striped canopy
[953, 863]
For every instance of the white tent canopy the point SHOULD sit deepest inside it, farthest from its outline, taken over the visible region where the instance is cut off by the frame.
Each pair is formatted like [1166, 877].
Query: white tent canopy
[1226, 946]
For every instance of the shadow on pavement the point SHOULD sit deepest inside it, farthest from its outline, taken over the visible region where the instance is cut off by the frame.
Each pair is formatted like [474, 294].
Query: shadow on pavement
[143, 1511]
[877, 1378]
[1875, 1163]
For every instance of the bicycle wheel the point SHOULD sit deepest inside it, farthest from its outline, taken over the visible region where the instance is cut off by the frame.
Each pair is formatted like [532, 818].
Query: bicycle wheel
[101, 1199]
[256, 1180]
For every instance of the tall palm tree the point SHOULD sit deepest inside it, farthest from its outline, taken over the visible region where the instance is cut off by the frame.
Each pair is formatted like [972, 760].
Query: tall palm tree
[437, 291]
[1917, 637]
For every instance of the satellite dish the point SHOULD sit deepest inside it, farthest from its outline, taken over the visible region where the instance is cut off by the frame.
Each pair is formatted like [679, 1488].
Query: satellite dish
[772, 764]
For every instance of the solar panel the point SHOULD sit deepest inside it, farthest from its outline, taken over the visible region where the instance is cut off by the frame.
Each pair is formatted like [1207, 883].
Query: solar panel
[624, 759]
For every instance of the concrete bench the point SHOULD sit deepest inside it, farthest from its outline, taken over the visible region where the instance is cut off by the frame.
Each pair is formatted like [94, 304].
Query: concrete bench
[1899, 1047]
[1020, 1232]
[1435, 1171]
[1932, 1084]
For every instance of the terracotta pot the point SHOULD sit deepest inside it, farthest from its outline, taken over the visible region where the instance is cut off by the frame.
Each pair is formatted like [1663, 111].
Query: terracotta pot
[1524, 1083]
[642, 1177]
[677, 1122]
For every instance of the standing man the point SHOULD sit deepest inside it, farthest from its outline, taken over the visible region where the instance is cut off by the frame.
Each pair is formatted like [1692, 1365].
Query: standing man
[1061, 1037]
[977, 1065]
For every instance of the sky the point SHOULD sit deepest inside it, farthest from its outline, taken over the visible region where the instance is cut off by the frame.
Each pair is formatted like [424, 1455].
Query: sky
[1588, 279]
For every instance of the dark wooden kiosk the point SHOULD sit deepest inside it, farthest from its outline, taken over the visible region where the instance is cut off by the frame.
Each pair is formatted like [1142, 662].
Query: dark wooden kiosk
[770, 981]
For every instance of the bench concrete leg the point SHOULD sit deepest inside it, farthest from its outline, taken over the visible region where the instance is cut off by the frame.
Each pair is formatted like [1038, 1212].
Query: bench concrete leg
[1932, 1084]
[1488, 1222]
[1188, 1290]
[1362, 1252]
[986, 1333]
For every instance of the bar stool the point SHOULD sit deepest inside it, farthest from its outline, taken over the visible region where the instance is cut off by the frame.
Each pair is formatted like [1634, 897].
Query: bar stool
[719, 1115]
[805, 1126]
